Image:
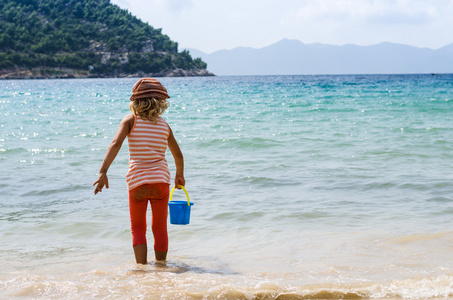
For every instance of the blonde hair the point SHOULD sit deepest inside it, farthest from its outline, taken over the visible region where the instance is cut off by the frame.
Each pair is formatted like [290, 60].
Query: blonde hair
[149, 108]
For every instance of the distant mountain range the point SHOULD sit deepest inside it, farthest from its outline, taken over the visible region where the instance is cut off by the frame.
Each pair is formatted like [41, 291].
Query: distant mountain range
[291, 57]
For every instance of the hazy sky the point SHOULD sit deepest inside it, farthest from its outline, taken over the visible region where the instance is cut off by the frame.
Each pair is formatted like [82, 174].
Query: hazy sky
[210, 25]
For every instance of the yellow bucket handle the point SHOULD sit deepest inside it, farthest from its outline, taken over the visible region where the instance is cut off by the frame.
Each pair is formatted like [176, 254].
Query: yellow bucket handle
[185, 191]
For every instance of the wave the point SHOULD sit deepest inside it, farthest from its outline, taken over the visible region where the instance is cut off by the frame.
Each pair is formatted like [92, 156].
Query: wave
[176, 281]
[254, 143]
[49, 192]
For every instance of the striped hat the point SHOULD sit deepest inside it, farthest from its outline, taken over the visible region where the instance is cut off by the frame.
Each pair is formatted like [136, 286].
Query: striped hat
[148, 88]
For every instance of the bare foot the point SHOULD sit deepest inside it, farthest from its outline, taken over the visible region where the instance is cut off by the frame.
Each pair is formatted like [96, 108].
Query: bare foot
[160, 263]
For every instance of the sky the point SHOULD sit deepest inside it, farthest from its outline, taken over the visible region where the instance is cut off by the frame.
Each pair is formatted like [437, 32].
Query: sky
[210, 25]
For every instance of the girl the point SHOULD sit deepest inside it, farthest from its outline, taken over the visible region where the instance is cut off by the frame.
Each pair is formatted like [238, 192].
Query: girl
[148, 178]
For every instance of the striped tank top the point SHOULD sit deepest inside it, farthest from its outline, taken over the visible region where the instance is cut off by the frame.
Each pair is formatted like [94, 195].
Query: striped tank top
[148, 143]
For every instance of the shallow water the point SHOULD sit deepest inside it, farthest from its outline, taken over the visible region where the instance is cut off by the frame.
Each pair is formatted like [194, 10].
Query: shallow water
[304, 187]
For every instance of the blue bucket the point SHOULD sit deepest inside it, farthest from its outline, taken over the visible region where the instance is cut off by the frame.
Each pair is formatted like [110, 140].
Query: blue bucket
[179, 210]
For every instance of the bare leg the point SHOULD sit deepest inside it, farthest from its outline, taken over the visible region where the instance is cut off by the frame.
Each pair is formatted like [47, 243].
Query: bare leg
[141, 253]
[161, 255]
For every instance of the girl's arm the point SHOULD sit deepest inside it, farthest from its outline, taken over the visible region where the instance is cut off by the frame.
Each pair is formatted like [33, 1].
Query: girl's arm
[115, 146]
[179, 160]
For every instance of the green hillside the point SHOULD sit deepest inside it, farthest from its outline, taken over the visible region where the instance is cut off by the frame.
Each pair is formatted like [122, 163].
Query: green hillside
[89, 37]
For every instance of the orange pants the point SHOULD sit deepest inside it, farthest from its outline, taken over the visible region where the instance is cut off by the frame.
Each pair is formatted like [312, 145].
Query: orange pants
[157, 194]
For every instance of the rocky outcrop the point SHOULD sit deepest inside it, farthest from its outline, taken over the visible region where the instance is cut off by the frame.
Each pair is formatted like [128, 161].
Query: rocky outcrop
[47, 73]
[186, 73]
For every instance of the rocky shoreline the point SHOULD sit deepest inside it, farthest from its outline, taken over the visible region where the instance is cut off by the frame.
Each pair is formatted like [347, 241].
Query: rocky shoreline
[65, 73]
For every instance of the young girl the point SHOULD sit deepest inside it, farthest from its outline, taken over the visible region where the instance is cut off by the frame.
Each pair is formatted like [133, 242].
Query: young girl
[148, 178]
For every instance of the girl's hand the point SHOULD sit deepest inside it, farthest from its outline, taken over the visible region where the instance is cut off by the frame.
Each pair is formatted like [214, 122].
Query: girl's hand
[101, 182]
[179, 180]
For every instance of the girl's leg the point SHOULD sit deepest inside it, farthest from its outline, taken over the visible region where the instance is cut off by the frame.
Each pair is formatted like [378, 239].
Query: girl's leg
[159, 208]
[141, 254]
[138, 203]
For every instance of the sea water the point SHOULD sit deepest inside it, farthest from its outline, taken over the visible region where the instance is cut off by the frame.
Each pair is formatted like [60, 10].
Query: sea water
[305, 187]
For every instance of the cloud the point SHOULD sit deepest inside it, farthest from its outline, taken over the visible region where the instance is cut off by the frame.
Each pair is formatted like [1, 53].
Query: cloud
[171, 6]
[122, 3]
[179, 5]
[211, 25]
[382, 12]
[365, 22]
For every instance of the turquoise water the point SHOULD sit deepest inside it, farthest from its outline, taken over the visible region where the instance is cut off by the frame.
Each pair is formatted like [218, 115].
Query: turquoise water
[304, 186]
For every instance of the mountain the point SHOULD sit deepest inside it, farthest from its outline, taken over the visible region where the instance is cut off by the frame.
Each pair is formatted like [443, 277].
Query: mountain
[291, 57]
[79, 38]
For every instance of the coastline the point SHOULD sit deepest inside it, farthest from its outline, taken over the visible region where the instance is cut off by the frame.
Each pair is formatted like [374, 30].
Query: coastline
[66, 73]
